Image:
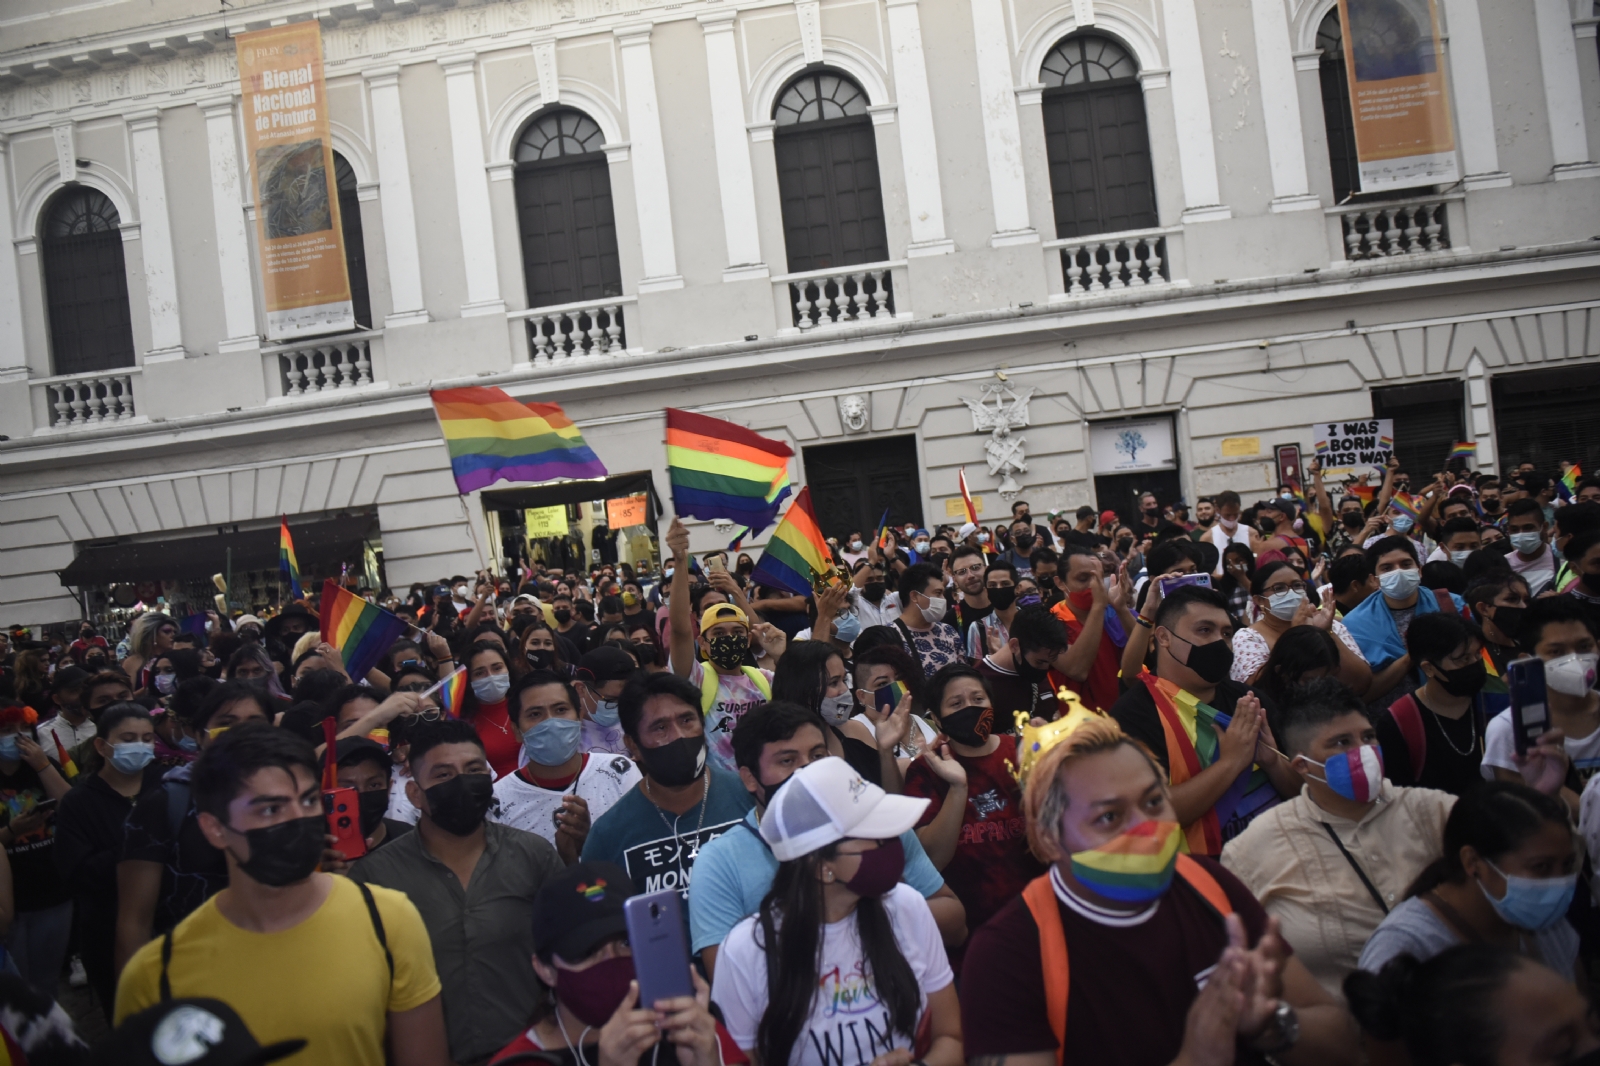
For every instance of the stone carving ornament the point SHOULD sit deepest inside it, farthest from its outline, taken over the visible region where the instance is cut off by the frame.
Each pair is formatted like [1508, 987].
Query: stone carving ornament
[1008, 411]
[853, 412]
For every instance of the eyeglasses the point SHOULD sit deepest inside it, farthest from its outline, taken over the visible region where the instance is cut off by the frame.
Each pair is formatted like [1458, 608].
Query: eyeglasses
[1298, 586]
[416, 686]
[427, 714]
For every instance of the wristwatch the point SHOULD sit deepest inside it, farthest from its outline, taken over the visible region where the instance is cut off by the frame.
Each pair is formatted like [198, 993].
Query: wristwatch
[1280, 1032]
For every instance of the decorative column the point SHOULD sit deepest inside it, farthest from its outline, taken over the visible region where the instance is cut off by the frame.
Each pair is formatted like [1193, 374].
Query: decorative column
[918, 149]
[1280, 106]
[13, 351]
[1469, 88]
[394, 195]
[1002, 134]
[735, 177]
[1191, 107]
[155, 233]
[1563, 89]
[1480, 428]
[472, 186]
[649, 156]
[233, 245]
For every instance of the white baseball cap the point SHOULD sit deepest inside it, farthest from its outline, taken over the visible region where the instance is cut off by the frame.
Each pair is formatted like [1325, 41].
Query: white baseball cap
[828, 801]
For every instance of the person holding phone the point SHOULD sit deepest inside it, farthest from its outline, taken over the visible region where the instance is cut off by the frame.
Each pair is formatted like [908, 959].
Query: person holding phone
[590, 1010]
[838, 926]
[30, 786]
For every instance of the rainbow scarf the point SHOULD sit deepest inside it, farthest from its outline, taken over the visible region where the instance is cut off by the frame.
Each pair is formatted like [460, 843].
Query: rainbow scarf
[1133, 867]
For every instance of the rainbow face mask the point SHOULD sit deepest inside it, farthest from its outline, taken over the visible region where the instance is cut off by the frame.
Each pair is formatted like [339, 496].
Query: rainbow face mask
[1135, 867]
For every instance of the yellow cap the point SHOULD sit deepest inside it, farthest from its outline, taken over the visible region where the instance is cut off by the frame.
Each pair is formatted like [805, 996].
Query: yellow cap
[722, 612]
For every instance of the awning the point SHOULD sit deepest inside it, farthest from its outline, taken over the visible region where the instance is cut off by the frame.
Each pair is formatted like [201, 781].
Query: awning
[618, 485]
[318, 546]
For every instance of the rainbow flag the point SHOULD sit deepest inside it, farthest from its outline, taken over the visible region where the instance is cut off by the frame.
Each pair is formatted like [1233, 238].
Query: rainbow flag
[1495, 683]
[361, 631]
[69, 769]
[897, 692]
[885, 538]
[1405, 504]
[966, 496]
[1386, 442]
[796, 553]
[453, 693]
[288, 565]
[722, 470]
[492, 438]
[1462, 451]
[1567, 484]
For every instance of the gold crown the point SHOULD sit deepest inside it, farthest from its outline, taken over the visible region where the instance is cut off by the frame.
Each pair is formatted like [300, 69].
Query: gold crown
[1036, 740]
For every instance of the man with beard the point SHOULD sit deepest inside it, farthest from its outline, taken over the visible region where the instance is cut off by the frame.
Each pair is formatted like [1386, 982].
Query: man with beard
[1151, 523]
[972, 602]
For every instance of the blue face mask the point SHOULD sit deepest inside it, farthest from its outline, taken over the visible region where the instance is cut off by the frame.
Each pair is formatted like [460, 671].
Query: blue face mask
[132, 757]
[1401, 524]
[605, 713]
[188, 743]
[8, 747]
[553, 741]
[1532, 903]
[847, 627]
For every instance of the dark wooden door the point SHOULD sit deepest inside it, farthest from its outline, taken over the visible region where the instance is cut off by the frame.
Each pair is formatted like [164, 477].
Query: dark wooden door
[831, 195]
[86, 284]
[852, 483]
[1098, 145]
[568, 231]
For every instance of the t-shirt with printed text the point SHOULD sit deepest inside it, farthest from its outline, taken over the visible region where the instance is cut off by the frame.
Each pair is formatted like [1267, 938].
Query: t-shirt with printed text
[736, 696]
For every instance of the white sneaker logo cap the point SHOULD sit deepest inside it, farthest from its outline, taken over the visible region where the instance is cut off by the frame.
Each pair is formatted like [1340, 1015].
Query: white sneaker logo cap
[828, 801]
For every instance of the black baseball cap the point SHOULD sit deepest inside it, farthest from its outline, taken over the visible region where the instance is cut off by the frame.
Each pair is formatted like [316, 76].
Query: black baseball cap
[580, 909]
[605, 663]
[351, 750]
[193, 1032]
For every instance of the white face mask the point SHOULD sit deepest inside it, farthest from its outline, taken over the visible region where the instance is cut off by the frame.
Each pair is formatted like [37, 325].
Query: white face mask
[919, 546]
[461, 592]
[983, 538]
[836, 710]
[856, 545]
[493, 688]
[1284, 604]
[1571, 675]
[934, 612]
[1527, 543]
[1400, 584]
[1459, 558]
[1227, 525]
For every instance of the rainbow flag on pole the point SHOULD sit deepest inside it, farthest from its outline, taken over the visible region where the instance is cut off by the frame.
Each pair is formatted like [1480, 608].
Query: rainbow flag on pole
[1567, 485]
[722, 470]
[492, 437]
[796, 553]
[1462, 451]
[69, 769]
[1405, 504]
[287, 563]
[361, 631]
[452, 692]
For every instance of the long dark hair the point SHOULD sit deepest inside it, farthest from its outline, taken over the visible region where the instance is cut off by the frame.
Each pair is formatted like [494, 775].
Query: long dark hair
[469, 705]
[1299, 650]
[1443, 1009]
[802, 674]
[790, 920]
[1493, 818]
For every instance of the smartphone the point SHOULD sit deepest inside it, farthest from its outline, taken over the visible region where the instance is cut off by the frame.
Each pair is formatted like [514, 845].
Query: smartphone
[716, 563]
[658, 937]
[1530, 718]
[344, 821]
[1177, 581]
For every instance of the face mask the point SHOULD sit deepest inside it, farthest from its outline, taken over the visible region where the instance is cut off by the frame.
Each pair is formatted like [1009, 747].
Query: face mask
[934, 612]
[668, 572]
[1489, 506]
[1570, 675]
[1283, 605]
[847, 627]
[540, 658]
[461, 592]
[1266, 524]
[187, 743]
[594, 994]
[856, 545]
[645, 651]
[728, 651]
[1001, 598]
[1228, 525]
[1400, 584]
[873, 591]
[1028, 599]
[1212, 662]
[165, 683]
[1023, 541]
[1527, 543]
[285, 853]
[1132, 867]
[1460, 558]
[491, 689]
[1356, 773]
[1353, 520]
[8, 747]
[1402, 524]
[970, 725]
[605, 713]
[983, 538]
[563, 615]
[676, 764]
[1532, 903]
[919, 546]
[836, 710]
[553, 741]
[95, 662]
[880, 869]
[1508, 620]
[132, 757]
[458, 805]
[372, 807]
[1465, 680]
[630, 600]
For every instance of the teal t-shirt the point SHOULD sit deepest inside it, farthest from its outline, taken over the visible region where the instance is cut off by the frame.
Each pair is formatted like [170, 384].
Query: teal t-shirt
[659, 849]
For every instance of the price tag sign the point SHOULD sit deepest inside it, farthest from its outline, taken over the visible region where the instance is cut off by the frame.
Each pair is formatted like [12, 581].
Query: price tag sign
[626, 511]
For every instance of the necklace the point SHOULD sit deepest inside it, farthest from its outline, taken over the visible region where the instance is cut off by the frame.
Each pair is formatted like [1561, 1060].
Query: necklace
[705, 801]
[1472, 731]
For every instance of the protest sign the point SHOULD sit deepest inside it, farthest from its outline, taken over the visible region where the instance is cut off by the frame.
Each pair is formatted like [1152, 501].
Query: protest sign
[547, 521]
[1344, 445]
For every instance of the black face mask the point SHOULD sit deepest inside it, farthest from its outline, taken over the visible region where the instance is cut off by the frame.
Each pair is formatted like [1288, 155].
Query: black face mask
[1028, 672]
[1465, 680]
[1023, 541]
[285, 853]
[373, 805]
[1508, 620]
[458, 806]
[873, 591]
[728, 651]
[540, 658]
[970, 725]
[1211, 661]
[1490, 506]
[1002, 598]
[676, 764]
[645, 652]
[1124, 544]
[1266, 524]
[95, 662]
[563, 615]
[1353, 520]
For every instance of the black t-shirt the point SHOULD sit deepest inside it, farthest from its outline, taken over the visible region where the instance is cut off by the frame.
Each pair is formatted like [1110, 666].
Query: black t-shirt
[34, 881]
[1010, 692]
[1161, 529]
[1453, 749]
[966, 614]
[1083, 539]
[90, 827]
[192, 870]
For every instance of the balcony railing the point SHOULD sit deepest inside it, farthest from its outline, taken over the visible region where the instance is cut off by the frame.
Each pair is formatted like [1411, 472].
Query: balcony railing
[76, 400]
[1109, 262]
[326, 364]
[576, 330]
[841, 297]
[1400, 227]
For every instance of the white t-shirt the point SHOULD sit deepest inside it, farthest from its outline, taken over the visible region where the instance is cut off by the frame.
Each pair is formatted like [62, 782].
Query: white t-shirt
[1498, 748]
[602, 781]
[401, 809]
[1539, 571]
[847, 1026]
[903, 750]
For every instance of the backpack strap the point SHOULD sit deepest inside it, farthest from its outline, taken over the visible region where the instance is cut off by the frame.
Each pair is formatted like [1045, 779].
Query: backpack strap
[1447, 602]
[1040, 896]
[759, 680]
[708, 688]
[177, 807]
[1200, 879]
[377, 926]
[166, 961]
[1408, 718]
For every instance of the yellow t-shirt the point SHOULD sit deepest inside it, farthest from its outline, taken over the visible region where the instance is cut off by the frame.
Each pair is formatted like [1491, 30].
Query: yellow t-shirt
[324, 981]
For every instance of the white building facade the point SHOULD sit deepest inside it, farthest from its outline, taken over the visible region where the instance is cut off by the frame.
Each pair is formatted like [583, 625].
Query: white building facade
[842, 223]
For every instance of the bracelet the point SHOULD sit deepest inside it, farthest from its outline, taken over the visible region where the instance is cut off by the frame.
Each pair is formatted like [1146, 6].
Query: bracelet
[1140, 619]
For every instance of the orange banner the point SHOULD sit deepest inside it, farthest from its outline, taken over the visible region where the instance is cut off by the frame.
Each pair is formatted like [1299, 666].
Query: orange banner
[625, 511]
[1399, 95]
[290, 152]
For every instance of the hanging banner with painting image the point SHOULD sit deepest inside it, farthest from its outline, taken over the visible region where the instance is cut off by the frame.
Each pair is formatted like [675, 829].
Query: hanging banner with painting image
[290, 154]
[1399, 95]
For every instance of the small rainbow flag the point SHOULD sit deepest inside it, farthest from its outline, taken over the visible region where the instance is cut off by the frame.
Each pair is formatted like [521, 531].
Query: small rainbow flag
[1495, 683]
[722, 470]
[288, 565]
[796, 554]
[1405, 504]
[966, 496]
[1567, 485]
[885, 538]
[361, 631]
[492, 437]
[1462, 451]
[1364, 493]
[69, 769]
[452, 692]
[1386, 442]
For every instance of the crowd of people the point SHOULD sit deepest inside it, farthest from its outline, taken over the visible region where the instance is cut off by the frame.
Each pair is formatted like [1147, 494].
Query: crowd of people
[1232, 788]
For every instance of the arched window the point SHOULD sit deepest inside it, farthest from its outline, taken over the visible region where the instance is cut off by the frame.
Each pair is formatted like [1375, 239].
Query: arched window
[564, 214]
[85, 283]
[1336, 115]
[355, 248]
[1096, 138]
[828, 174]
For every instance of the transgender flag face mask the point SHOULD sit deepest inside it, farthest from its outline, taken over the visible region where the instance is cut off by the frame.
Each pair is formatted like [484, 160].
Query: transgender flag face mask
[1356, 773]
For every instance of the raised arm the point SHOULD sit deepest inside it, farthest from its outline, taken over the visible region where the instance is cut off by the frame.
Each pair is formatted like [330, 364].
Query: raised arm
[678, 607]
